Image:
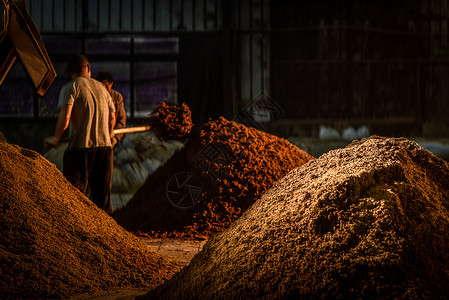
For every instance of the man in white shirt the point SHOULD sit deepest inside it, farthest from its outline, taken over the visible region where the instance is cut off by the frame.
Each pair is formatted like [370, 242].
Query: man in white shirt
[88, 108]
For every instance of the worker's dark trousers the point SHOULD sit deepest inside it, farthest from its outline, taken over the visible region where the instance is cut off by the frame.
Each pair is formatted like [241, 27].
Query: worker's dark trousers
[89, 170]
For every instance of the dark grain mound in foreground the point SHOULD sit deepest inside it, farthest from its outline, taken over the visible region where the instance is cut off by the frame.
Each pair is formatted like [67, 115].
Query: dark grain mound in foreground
[206, 186]
[369, 221]
[55, 242]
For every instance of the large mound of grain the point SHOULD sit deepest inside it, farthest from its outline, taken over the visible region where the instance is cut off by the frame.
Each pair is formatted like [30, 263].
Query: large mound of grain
[370, 221]
[221, 170]
[55, 242]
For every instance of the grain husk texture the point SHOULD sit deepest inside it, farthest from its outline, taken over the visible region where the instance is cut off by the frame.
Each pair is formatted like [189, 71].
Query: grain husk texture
[369, 221]
[56, 243]
[227, 166]
[171, 121]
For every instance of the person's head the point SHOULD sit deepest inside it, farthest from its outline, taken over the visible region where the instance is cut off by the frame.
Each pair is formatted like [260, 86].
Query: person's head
[78, 66]
[106, 79]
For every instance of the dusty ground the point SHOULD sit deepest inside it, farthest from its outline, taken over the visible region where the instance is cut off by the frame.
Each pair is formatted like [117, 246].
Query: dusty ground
[180, 250]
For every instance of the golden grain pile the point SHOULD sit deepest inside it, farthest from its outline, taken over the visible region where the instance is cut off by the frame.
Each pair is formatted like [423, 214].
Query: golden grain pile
[55, 242]
[370, 221]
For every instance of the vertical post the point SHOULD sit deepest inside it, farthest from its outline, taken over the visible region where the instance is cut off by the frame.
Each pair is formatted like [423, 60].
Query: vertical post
[250, 50]
[75, 22]
[429, 68]
[170, 12]
[205, 14]
[131, 79]
[154, 15]
[181, 16]
[440, 25]
[109, 15]
[42, 17]
[64, 18]
[227, 59]
[142, 15]
[53, 15]
[193, 15]
[85, 16]
[120, 16]
[216, 14]
[239, 18]
[238, 58]
[262, 45]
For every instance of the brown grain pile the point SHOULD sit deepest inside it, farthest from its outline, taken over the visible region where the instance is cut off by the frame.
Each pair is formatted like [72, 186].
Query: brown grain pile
[225, 166]
[171, 121]
[370, 221]
[55, 242]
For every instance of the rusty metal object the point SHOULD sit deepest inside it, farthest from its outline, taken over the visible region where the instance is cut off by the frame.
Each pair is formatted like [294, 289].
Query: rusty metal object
[3, 18]
[20, 39]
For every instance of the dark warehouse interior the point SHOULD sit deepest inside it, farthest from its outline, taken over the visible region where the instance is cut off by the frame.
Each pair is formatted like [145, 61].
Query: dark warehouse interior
[380, 64]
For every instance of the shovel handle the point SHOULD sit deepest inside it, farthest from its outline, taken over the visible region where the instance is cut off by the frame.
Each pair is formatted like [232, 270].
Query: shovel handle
[131, 129]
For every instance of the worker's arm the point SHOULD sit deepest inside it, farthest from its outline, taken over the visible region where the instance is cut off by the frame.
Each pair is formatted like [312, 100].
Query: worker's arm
[120, 113]
[111, 121]
[112, 117]
[120, 121]
[61, 126]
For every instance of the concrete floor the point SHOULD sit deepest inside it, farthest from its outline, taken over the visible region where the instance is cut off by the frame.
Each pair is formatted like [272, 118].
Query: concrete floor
[181, 251]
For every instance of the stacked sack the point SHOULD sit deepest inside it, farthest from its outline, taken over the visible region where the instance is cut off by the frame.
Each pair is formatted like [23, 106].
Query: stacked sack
[135, 157]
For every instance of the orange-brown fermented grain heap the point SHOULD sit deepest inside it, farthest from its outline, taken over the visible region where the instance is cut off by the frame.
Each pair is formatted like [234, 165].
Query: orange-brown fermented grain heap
[171, 121]
[55, 242]
[369, 221]
[206, 186]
